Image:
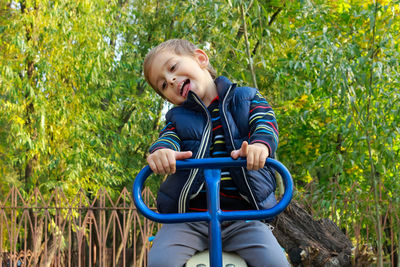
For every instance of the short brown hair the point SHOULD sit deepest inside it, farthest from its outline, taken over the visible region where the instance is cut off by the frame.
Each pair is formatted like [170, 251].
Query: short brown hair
[179, 47]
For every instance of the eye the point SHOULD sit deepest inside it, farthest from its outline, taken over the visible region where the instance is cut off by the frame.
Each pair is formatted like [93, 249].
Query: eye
[164, 84]
[173, 67]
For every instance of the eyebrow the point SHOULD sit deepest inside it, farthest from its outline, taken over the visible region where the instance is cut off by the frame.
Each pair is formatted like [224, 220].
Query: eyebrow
[165, 64]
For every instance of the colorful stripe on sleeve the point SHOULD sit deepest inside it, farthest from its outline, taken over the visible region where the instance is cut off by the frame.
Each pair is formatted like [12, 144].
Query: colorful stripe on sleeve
[263, 124]
[167, 139]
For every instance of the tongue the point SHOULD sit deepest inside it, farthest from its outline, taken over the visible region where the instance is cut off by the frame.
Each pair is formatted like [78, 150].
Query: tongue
[186, 89]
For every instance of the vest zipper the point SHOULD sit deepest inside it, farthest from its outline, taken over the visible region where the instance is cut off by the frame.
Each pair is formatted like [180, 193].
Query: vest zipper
[233, 145]
[200, 154]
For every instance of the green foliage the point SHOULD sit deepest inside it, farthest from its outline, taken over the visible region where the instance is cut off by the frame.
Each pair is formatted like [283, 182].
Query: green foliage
[348, 108]
[74, 115]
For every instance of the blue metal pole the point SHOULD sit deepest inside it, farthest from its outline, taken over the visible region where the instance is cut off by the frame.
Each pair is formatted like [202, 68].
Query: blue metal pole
[212, 177]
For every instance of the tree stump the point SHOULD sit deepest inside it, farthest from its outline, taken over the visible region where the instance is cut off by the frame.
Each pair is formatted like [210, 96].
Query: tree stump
[310, 242]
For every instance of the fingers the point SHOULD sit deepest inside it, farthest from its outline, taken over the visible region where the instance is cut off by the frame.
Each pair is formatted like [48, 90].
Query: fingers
[170, 164]
[151, 163]
[250, 160]
[244, 149]
[163, 161]
[256, 158]
[183, 155]
[178, 156]
[235, 154]
[256, 155]
[262, 160]
[242, 152]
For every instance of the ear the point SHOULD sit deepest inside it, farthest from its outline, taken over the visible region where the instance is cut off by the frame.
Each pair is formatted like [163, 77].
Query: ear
[201, 57]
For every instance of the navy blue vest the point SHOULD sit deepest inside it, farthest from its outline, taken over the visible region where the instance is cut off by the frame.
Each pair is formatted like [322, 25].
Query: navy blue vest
[193, 126]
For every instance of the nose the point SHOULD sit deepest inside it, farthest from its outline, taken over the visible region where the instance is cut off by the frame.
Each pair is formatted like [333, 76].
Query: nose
[171, 79]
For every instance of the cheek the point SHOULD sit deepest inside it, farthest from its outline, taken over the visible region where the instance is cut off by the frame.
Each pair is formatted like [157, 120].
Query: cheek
[175, 101]
[169, 98]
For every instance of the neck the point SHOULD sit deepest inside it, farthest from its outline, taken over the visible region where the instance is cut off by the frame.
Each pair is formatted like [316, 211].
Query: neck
[210, 94]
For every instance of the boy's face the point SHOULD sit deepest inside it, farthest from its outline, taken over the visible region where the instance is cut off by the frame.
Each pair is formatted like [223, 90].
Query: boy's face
[175, 75]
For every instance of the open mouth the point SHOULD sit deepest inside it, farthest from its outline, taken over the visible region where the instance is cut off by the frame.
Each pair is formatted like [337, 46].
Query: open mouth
[184, 88]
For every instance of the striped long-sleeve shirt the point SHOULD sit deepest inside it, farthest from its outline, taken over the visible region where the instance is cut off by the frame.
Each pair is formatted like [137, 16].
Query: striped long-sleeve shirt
[263, 129]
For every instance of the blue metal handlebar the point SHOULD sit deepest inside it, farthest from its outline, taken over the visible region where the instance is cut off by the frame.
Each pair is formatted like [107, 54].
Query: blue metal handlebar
[214, 215]
[212, 164]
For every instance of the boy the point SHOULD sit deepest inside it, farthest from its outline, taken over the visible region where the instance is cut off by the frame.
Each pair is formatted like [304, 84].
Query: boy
[212, 118]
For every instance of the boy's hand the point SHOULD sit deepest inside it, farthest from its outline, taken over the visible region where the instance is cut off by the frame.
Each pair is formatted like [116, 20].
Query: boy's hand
[256, 154]
[163, 161]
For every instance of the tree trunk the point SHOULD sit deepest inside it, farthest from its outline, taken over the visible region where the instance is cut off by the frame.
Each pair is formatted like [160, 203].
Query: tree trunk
[310, 242]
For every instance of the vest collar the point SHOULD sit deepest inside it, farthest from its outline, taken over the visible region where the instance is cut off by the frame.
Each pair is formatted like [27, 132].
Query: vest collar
[223, 84]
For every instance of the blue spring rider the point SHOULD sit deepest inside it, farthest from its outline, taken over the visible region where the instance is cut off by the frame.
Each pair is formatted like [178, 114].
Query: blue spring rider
[214, 215]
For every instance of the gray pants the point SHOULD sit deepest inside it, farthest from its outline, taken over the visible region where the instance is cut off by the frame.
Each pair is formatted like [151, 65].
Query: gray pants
[174, 244]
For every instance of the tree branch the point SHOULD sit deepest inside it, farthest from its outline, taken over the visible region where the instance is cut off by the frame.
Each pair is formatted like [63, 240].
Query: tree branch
[273, 17]
[253, 75]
